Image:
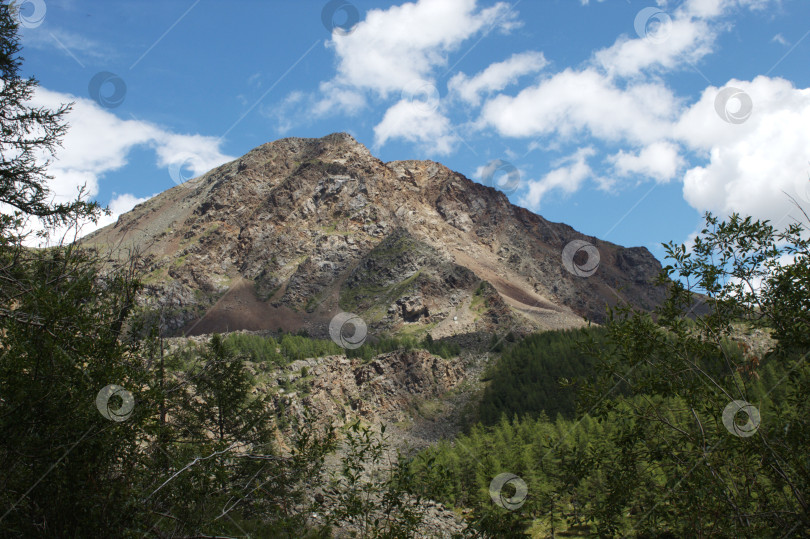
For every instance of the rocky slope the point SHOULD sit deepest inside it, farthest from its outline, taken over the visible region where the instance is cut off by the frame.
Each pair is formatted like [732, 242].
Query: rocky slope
[298, 230]
[417, 397]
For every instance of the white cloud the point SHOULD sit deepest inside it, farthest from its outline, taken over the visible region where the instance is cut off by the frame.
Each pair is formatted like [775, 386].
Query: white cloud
[98, 142]
[417, 123]
[716, 8]
[572, 102]
[120, 204]
[670, 40]
[568, 177]
[619, 98]
[124, 203]
[659, 160]
[590, 100]
[682, 41]
[338, 98]
[200, 153]
[393, 47]
[496, 76]
[706, 8]
[69, 43]
[283, 113]
[391, 50]
[753, 164]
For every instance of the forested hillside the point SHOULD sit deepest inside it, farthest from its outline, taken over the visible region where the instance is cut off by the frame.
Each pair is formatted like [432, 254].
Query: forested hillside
[537, 376]
[578, 465]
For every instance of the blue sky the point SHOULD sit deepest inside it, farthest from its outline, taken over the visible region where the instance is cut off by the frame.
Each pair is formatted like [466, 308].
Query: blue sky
[624, 119]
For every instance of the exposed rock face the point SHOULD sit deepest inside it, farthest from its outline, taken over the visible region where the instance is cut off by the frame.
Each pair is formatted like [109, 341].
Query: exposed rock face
[338, 390]
[378, 391]
[300, 229]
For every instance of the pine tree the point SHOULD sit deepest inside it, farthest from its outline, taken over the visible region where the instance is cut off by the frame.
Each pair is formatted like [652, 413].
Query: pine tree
[27, 131]
[66, 462]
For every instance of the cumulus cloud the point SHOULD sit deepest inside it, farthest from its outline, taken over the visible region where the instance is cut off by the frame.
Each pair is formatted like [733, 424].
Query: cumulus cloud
[496, 76]
[749, 166]
[391, 50]
[609, 98]
[337, 98]
[568, 176]
[617, 104]
[659, 160]
[676, 43]
[666, 40]
[415, 122]
[118, 205]
[573, 102]
[619, 98]
[99, 142]
[392, 47]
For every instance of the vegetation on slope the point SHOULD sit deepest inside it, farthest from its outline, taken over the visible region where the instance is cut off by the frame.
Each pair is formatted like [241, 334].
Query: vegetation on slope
[288, 347]
[527, 380]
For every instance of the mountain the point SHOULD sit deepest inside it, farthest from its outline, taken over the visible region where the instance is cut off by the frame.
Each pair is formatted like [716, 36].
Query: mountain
[298, 230]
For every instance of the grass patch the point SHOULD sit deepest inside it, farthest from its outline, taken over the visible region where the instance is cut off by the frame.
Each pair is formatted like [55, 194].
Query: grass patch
[417, 330]
[428, 409]
[157, 276]
[352, 299]
[179, 261]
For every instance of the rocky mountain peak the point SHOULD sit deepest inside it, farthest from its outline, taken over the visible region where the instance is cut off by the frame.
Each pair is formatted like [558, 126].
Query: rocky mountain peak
[299, 229]
[335, 147]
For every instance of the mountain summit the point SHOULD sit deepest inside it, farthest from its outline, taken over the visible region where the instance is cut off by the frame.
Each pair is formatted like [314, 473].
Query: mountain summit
[298, 230]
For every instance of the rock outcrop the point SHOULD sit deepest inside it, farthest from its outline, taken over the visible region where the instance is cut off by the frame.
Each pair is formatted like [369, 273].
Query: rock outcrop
[336, 388]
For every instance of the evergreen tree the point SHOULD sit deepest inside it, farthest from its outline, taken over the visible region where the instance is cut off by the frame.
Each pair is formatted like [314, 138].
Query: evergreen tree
[28, 131]
[224, 385]
[65, 460]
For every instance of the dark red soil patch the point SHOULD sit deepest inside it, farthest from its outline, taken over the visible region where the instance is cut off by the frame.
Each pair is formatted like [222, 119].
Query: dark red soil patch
[239, 308]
